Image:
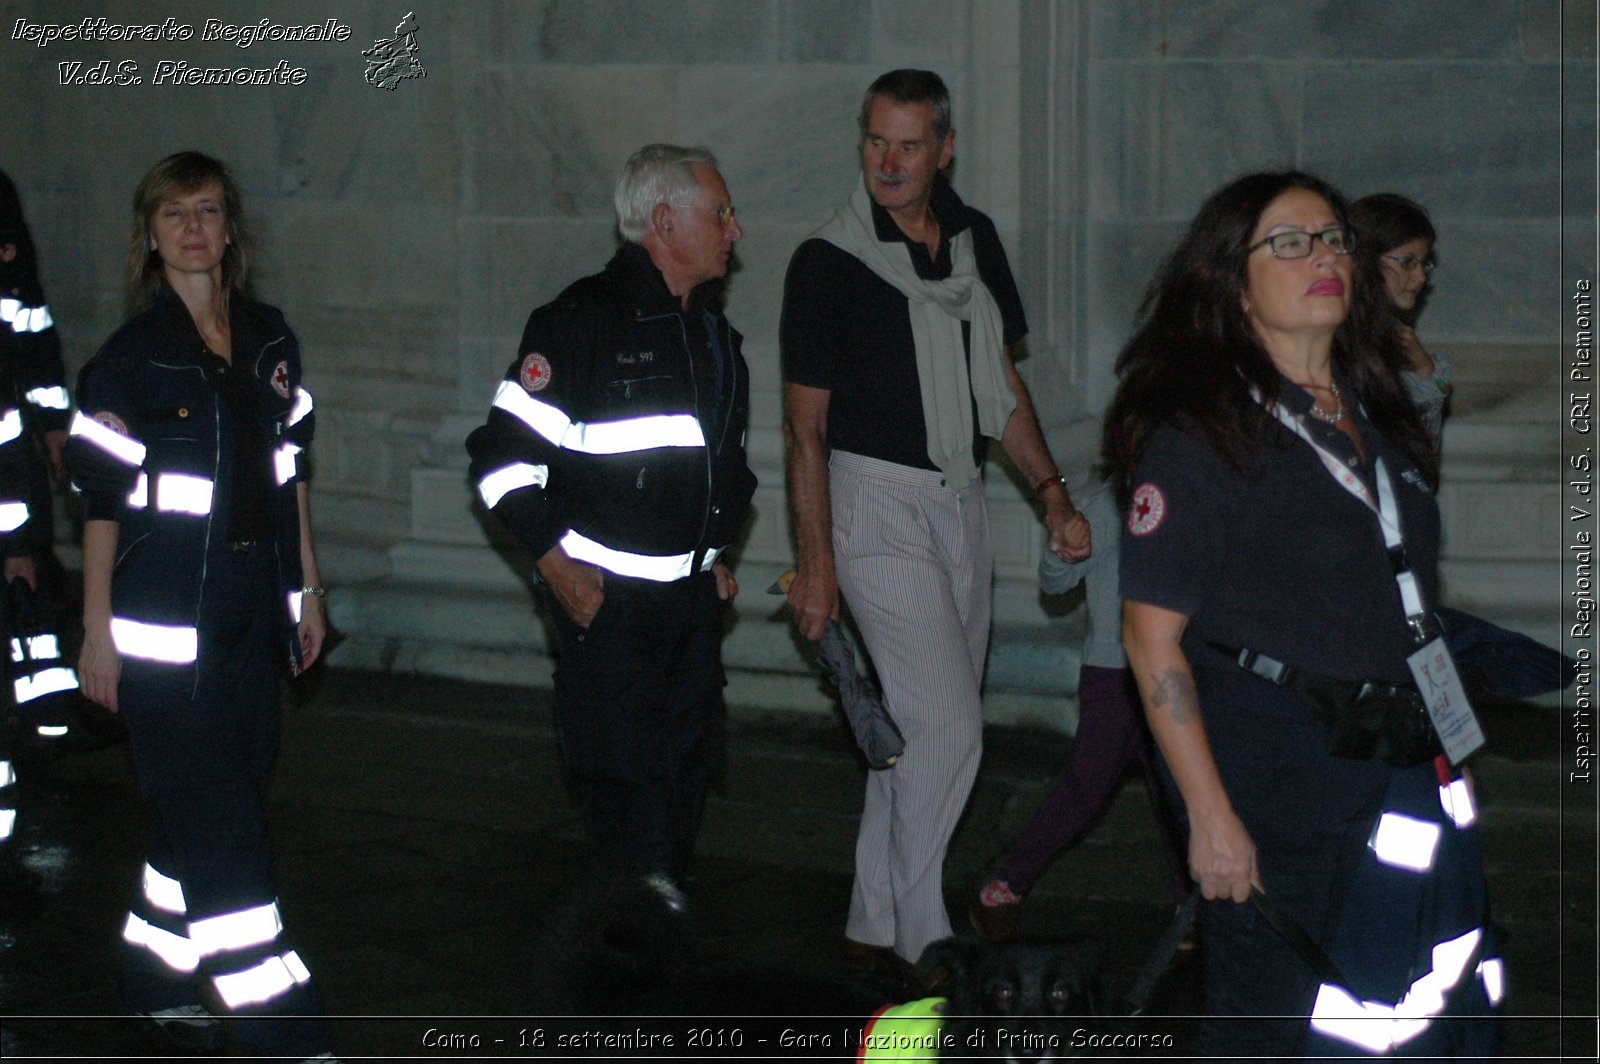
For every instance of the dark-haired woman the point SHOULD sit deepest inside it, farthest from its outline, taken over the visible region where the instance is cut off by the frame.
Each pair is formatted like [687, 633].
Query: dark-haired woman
[199, 578]
[1280, 552]
[1397, 238]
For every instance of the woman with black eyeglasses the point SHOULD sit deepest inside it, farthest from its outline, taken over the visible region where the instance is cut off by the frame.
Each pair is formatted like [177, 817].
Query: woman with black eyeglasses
[1279, 567]
[1396, 241]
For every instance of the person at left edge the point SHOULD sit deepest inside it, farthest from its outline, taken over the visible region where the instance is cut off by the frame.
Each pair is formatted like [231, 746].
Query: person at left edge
[199, 574]
[615, 451]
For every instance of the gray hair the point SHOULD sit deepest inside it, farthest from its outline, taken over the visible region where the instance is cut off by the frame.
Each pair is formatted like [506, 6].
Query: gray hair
[656, 174]
[910, 86]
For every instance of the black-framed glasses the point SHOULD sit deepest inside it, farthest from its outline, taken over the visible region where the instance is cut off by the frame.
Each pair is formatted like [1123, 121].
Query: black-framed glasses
[1295, 244]
[1410, 262]
[725, 215]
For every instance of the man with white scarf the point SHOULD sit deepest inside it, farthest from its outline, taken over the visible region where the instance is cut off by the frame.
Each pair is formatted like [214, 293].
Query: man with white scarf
[899, 316]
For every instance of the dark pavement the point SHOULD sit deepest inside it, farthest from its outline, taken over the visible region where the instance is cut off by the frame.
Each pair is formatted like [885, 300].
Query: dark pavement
[428, 862]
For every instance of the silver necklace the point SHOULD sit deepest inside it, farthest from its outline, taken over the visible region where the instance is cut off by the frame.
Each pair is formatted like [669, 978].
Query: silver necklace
[1338, 406]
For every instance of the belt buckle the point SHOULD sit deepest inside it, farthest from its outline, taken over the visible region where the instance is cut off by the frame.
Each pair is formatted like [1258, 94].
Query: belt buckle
[243, 545]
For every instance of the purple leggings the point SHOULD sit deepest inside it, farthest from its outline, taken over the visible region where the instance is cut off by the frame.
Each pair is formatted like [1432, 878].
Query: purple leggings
[1110, 737]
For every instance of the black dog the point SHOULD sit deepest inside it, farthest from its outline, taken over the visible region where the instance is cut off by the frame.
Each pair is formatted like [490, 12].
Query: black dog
[1017, 1001]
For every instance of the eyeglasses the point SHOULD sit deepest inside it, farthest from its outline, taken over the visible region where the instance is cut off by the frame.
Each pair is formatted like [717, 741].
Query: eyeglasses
[1295, 244]
[1409, 262]
[725, 214]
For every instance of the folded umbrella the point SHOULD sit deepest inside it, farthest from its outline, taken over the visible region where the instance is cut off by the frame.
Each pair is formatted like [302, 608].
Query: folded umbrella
[875, 730]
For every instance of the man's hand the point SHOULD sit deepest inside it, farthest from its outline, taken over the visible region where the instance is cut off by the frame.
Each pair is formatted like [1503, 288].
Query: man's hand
[21, 566]
[814, 597]
[1069, 532]
[727, 586]
[577, 586]
[55, 441]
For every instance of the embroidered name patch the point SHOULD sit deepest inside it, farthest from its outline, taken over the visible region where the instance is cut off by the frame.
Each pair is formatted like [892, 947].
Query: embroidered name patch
[1148, 508]
[280, 379]
[112, 422]
[535, 373]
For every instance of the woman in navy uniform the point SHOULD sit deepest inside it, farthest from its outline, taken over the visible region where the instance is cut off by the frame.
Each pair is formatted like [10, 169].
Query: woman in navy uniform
[1279, 566]
[199, 579]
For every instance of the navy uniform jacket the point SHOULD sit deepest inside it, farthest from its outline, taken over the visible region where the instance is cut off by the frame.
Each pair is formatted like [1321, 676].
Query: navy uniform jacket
[151, 447]
[619, 432]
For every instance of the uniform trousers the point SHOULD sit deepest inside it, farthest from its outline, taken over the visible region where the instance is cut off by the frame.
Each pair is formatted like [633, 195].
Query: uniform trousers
[914, 564]
[206, 908]
[641, 716]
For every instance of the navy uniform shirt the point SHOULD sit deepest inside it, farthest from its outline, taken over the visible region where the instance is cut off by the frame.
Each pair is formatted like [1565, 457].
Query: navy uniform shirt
[1290, 564]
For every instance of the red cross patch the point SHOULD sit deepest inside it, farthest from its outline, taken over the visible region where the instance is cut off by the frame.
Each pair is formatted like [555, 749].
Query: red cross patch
[535, 372]
[112, 422]
[280, 379]
[1148, 508]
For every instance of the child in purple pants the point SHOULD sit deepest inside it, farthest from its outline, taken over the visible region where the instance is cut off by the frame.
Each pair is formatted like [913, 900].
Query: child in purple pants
[1110, 736]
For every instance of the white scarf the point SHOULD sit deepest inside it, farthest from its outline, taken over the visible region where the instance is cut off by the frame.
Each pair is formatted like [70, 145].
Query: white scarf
[938, 308]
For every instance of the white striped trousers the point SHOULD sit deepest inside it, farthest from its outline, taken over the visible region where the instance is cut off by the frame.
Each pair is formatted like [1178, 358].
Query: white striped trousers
[915, 565]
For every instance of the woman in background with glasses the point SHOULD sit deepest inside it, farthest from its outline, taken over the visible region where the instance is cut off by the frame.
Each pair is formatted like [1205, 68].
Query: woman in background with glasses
[1262, 441]
[1396, 242]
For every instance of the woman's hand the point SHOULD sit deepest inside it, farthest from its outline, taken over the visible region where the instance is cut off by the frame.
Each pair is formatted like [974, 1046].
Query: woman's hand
[313, 629]
[99, 666]
[727, 586]
[1222, 857]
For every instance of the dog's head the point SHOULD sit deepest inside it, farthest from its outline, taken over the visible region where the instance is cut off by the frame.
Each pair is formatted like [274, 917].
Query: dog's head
[1014, 1001]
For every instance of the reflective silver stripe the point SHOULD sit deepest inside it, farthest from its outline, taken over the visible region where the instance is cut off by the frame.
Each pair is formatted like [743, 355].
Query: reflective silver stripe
[296, 604]
[13, 515]
[177, 952]
[601, 437]
[302, 406]
[10, 424]
[123, 448]
[283, 462]
[174, 644]
[52, 398]
[8, 775]
[496, 485]
[53, 731]
[662, 568]
[8, 821]
[45, 682]
[25, 319]
[39, 647]
[254, 926]
[1493, 973]
[1456, 798]
[1402, 841]
[184, 494]
[164, 892]
[261, 982]
[139, 497]
[1377, 1027]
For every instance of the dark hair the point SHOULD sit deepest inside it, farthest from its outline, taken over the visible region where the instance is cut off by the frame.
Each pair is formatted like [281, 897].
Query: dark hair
[1194, 356]
[1385, 220]
[21, 274]
[910, 86]
[177, 175]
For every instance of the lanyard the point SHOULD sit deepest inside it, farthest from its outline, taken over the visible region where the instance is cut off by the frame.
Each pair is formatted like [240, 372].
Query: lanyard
[1385, 508]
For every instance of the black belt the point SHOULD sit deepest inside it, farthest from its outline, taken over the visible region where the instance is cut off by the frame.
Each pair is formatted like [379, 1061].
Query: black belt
[242, 545]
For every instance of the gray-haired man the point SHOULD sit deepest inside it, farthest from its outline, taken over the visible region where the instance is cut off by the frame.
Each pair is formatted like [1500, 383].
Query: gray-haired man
[615, 451]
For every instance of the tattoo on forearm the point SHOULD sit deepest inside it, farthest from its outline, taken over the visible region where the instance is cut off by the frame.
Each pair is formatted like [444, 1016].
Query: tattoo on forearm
[1174, 692]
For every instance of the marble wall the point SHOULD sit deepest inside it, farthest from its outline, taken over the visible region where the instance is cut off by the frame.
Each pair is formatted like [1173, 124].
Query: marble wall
[408, 232]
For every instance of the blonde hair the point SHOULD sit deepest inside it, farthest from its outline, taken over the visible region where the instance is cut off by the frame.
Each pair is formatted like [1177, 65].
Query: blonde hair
[176, 175]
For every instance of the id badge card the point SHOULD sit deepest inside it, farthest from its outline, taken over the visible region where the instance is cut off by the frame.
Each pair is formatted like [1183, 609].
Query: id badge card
[1435, 672]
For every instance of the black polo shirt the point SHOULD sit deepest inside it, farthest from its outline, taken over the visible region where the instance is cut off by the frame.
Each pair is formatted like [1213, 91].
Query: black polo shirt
[848, 331]
[1290, 564]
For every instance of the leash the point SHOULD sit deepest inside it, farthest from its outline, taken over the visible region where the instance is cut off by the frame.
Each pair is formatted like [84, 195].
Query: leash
[1166, 948]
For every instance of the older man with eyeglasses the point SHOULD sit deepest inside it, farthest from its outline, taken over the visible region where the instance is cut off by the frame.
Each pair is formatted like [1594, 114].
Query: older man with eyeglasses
[615, 451]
